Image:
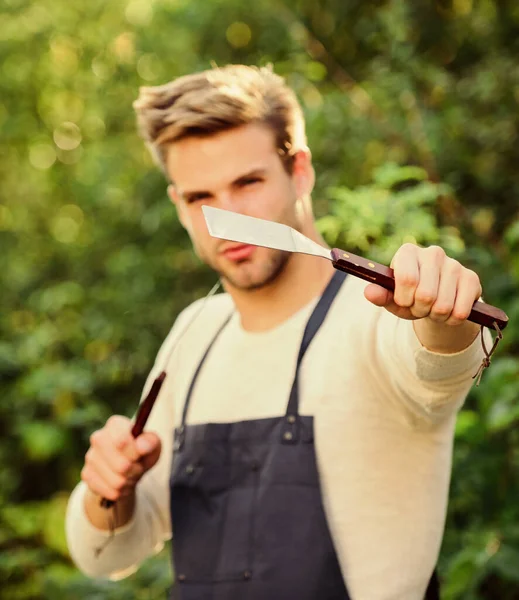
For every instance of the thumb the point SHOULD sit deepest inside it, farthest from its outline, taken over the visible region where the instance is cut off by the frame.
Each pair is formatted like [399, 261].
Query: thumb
[381, 297]
[378, 295]
[148, 445]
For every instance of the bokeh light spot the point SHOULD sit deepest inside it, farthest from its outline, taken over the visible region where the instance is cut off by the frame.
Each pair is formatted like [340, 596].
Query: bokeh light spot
[67, 223]
[148, 67]
[67, 136]
[462, 7]
[64, 55]
[42, 156]
[238, 34]
[139, 12]
[124, 47]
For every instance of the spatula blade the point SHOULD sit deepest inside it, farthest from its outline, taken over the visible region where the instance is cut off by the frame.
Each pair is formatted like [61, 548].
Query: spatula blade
[228, 225]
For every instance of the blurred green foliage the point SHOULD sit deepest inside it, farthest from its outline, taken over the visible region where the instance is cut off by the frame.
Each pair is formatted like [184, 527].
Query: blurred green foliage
[412, 111]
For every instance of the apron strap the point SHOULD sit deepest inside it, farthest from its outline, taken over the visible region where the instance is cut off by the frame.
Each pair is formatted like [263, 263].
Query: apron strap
[200, 364]
[290, 432]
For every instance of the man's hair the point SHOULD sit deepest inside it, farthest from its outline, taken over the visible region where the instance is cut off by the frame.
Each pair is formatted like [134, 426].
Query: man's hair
[220, 99]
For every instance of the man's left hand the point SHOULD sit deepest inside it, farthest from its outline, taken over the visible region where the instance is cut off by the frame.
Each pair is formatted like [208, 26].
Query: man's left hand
[428, 284]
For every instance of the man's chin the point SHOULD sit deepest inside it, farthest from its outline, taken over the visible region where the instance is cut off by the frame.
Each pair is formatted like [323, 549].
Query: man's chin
[247, 279]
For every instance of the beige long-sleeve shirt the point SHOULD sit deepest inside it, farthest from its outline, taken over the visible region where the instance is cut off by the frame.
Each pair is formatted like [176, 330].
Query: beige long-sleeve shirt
[384, 413]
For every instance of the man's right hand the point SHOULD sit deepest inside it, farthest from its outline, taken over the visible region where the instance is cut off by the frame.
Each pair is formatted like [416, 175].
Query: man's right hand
[114, 463]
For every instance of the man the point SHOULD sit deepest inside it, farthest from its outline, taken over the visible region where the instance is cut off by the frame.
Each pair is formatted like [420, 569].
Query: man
[314, 415]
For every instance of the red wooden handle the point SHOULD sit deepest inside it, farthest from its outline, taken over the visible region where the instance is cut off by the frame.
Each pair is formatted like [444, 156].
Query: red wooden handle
[140, 420]
[481, 313]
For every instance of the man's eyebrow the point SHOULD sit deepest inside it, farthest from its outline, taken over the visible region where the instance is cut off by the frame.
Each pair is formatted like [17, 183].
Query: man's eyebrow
[260, 172]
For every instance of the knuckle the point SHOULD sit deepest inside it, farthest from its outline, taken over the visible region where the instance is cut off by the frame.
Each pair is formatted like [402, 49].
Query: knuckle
[124, 467]
[401, 301]
[120, 442]
[419, 313]
[472, 276]
[96, 438]
[112, 495]
[405, 249]
[425, 297]
[407, 280]
[112, 420]
[436, 251]
[442, 310]
[116, 423]
[460, 315]
[437, 318]
[454, 266]
[119, 483]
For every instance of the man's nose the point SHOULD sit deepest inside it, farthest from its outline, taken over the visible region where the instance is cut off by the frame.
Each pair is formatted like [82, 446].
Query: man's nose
[227, 201]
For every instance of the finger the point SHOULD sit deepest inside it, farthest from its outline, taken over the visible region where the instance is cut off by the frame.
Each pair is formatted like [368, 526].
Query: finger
[149, 443]
[107, 449]
[378, 295]
[146, 443]
[469, 290]
[407, 274]
[97, 484]
[382, 297]
[447, 291]
[114, 480]
[119, 430]
[430, 261]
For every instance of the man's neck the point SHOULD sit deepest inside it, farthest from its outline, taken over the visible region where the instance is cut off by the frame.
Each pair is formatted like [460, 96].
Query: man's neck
[303, 279]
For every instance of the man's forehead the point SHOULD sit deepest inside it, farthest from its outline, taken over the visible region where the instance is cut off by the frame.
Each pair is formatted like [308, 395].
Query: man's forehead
[195, 162]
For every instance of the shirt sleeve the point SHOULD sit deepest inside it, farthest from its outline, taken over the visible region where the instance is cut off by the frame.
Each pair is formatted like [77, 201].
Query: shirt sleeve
[431, 385]
[150, 525]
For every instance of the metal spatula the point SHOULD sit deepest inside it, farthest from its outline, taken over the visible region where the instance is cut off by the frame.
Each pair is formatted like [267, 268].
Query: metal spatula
[239, 228]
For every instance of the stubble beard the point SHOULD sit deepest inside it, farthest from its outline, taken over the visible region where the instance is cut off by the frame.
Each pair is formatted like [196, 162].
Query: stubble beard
[255, 278]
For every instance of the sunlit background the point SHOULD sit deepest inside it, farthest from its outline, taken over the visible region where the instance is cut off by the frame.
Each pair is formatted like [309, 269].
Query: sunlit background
[412, 109]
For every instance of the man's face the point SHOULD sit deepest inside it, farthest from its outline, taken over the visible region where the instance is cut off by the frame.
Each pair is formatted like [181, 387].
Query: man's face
[238, 170]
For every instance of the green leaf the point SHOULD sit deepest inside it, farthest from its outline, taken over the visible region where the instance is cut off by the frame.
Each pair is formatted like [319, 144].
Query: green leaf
[391, 174]
[26, 519]
[466, 422]
[42, 441]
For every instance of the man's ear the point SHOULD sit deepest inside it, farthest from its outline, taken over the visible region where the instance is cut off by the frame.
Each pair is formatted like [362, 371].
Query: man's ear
[303, 173]
[174, 197]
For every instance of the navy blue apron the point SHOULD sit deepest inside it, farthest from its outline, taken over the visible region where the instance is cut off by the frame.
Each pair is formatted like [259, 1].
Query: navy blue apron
[246, 508]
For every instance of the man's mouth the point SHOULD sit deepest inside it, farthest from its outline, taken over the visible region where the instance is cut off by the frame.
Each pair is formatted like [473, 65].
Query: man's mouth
[238, 252]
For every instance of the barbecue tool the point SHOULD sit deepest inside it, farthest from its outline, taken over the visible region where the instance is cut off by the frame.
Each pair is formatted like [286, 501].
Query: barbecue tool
[243, 229]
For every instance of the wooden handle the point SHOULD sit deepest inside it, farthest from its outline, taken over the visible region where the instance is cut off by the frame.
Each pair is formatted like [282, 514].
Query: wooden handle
[140, 420]
[481, 313]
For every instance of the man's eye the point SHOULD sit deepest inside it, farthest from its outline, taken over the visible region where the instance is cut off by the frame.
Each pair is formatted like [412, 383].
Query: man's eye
[197, 198]
[250, 181]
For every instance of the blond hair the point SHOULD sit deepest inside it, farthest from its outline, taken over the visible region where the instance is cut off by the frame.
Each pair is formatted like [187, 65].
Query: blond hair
[220, 99]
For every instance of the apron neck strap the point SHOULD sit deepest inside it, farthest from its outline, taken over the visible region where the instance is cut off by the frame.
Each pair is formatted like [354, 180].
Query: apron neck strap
[312, 327]
[200, 364]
